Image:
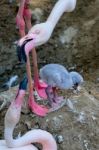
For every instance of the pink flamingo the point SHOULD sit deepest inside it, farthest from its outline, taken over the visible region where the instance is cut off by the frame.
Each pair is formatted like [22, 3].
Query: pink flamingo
[24, 16]
[40, 87]
[34, 136]
[24, 54]
[43, 32]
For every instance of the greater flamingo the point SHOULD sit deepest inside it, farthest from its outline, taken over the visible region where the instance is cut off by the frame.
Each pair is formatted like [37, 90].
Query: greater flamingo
[43, 32]
[34, 136]
[40, 87]
[24, 54]
[24, 16]
[57, 76]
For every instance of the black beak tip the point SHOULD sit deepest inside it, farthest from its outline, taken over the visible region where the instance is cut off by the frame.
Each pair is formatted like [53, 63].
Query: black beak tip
[23, 84]
[21, 53]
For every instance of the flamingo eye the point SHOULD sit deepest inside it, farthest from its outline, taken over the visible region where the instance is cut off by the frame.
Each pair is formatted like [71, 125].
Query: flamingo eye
[37, 31]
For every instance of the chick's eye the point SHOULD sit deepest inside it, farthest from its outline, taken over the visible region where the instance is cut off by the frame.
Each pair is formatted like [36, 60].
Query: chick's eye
[76, 84]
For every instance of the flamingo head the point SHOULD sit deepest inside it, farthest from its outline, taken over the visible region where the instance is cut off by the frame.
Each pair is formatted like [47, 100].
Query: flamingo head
[77, 79]
[25, 45]
[21, 51]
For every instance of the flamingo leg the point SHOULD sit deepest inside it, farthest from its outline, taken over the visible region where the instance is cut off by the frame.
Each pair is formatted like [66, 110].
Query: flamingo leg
[54, 94]
[39, 86]
[50, 95]
[20, 19]
[37, 109]
[56, 98]
[54, 101]
[27, 15]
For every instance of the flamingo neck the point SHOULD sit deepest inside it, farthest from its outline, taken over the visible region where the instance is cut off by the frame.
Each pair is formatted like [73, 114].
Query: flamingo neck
[60, 7]
[33, 136]
[12, 117]
[8, 134]
[19, 97]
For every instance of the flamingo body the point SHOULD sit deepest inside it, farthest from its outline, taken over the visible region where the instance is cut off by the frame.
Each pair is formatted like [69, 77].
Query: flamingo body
[57, 76]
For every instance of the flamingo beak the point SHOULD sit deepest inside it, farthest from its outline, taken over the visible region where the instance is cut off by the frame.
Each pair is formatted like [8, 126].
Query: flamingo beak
[23, 84]
[21, 53]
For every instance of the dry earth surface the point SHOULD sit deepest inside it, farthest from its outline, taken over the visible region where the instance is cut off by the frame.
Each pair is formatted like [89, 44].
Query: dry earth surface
[76, 125]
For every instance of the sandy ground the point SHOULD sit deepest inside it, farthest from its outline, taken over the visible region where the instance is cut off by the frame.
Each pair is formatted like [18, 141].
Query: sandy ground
[74, 126]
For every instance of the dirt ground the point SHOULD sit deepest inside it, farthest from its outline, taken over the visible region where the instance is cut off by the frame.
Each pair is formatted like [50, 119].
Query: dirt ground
[76, 125]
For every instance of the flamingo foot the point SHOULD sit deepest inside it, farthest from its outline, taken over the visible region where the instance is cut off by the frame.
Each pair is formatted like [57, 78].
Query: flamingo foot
[58, 105]
[40, 110]
[40, 88]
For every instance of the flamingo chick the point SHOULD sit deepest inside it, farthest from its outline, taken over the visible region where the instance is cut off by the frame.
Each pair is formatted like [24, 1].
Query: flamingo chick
[57, 76]
[25, 142]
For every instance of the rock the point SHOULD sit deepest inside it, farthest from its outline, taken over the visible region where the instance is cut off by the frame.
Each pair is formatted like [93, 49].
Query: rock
[2, 70]
[37, 14]
[59, 139]
[68, 35]
[53, 124]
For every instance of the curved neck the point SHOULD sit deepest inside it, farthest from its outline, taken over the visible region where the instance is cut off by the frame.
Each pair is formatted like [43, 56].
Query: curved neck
[19, 98]
[33, 136]
[12, 116]
[60, 7]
